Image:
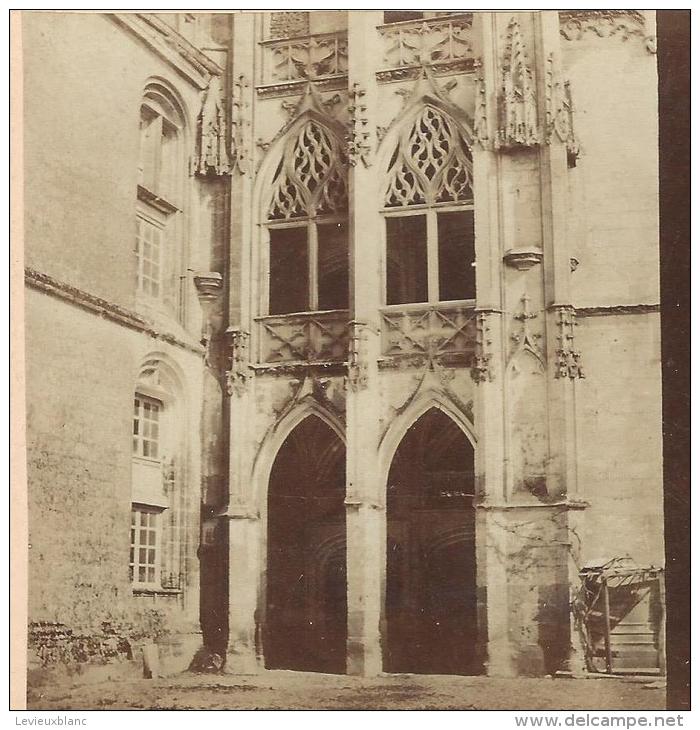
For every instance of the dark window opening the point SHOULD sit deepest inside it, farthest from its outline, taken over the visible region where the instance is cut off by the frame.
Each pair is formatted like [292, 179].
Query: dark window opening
[407, 260]
[289, 270]
[456, 255]
[332, 266]
[398, 16]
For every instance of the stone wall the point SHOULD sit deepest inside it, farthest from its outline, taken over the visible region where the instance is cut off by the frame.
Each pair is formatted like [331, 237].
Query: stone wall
[84, 77]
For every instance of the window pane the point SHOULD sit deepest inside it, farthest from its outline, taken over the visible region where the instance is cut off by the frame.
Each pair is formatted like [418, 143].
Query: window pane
[407, 260]
[333, 266]
[150, 132]
[456, 255]
[398, 16]
[289, 270]
[168, 161]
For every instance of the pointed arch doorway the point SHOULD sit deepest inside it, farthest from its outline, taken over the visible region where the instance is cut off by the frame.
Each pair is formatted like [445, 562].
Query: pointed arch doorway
[430, 605]
[306, 589]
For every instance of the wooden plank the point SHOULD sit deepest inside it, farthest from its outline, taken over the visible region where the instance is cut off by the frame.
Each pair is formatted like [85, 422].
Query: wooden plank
[606, 609]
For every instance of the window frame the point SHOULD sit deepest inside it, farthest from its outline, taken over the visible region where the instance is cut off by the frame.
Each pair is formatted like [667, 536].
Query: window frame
[311, 223]
[137, 453]
[164, 183]
[430, 211]
[138, 508]
[147, 215]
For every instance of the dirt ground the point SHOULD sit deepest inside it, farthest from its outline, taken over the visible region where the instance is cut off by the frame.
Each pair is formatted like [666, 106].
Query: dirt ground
[279, 690]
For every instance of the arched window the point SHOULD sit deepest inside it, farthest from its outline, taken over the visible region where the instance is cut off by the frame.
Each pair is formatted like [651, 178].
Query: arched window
[429, 210]
[159, 192]
[157, 519]
[307, 224]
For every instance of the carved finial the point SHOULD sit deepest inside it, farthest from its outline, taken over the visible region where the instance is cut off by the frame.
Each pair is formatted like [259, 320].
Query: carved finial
[568, 364]
[239, 125]
[481, 122]
[518, 103]
[358, 137]
[559, 111]
[212, 156]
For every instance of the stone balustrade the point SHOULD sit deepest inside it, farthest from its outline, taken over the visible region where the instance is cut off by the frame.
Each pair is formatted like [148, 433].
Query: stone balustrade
[445, 43]
[304, 338]
[418, 331]
[310, 57]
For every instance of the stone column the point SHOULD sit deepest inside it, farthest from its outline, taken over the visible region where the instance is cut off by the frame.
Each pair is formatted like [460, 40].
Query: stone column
[489, 372]
[558, 152]
[243, 513]
[365, 498]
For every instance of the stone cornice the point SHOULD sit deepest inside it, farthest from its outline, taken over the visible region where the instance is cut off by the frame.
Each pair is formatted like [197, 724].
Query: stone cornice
[101, 307]
[173, 48]
[616, 309]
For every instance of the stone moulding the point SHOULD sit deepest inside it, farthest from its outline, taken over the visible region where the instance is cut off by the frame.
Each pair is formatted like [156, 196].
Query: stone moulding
[295, 88]
[523, 258]
[108, 310]
[173, 48]
[612, 310]
[411, 73]
[575, 25]
[208, 284]
[569, 504]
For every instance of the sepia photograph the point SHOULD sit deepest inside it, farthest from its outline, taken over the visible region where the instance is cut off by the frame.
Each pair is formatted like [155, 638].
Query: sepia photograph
[342, 383]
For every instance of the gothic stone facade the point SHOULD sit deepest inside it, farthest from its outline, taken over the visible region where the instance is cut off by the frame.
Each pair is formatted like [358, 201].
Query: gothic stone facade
[342, 334]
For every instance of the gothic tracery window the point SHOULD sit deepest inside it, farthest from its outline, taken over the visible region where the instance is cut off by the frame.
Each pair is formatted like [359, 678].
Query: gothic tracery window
[429, 210]
[307, 224]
